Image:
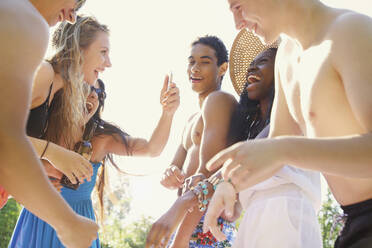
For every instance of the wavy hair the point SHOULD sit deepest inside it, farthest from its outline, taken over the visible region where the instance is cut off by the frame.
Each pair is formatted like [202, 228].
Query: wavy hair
[105, 128]
[68, 105]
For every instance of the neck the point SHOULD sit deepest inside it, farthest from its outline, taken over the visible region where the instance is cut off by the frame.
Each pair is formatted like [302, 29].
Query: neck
[311, 19]
[264, 107]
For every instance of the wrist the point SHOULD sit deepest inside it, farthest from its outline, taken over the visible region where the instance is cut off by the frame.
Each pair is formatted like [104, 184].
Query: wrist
[67, 221]
[282, 150]
[167, 114]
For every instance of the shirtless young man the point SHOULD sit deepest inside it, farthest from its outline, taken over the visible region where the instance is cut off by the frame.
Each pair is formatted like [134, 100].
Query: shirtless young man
[322, 109]
[25, 27]
[204, 135]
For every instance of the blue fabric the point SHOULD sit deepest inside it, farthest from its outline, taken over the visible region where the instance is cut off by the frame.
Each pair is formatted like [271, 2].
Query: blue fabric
[32, 232]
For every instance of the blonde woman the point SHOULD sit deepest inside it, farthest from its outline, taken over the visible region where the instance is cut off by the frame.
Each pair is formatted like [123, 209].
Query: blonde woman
[107, 140]
[82, 53]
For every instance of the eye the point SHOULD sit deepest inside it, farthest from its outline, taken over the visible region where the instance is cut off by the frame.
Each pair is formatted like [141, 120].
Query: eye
[191, 62]
[263, 61]
[103, 52]
[237, 7]
[205, 62]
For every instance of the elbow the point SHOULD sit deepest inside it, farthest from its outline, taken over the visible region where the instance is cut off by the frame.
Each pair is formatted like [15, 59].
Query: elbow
[154, 153]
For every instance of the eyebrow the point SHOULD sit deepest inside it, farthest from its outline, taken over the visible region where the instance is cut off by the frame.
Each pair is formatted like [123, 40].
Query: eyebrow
[259, 59]
[232, 5]
[202, 57]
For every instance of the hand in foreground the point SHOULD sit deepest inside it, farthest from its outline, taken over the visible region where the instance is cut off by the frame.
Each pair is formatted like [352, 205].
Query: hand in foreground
[166, 225]
[169, 97]
[79, 233]
[173, 178]
[71, 164]
[222, 201]
[248, 163]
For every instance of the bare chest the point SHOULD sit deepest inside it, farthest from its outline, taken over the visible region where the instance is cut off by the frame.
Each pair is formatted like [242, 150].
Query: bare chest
[193, 132]
[311, 86]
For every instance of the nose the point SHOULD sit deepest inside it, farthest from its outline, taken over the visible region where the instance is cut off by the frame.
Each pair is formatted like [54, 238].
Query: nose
[195, 68]
[240, 23]
[108, 62]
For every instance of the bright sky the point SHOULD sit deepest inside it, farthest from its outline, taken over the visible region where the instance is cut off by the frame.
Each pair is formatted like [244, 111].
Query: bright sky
[148, 39]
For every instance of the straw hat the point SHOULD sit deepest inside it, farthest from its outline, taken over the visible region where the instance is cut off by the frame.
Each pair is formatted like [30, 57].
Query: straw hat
[244, 50]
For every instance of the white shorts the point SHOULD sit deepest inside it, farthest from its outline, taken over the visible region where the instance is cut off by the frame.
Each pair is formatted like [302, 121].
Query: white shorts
[279, 217]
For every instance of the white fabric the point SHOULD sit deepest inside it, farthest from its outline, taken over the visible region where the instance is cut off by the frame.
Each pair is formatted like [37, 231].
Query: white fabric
[281, 211]
[280, 217]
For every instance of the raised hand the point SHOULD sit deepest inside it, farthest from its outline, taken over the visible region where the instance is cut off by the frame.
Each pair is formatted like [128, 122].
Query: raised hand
[169, 96]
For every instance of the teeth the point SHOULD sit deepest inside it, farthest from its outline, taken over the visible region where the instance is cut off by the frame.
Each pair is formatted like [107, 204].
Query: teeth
[253, 78]
[89, 106]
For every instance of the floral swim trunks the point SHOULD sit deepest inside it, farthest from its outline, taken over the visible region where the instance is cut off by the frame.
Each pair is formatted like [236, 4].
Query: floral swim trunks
[206, 240]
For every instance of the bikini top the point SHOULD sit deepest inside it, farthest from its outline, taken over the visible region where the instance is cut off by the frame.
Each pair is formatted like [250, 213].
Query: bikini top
[37, 122]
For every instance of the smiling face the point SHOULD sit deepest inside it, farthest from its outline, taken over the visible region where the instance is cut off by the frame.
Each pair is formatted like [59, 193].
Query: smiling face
[203, 71]
[92, 104]
[96, 57]
[257, 16]
[260, 76]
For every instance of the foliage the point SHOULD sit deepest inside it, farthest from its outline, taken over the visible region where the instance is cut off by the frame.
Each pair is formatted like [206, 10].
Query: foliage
[328, 218]
[126, 236]
[8, 218]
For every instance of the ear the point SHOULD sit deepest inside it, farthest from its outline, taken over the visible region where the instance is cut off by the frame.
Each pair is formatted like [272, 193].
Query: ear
[222, 69]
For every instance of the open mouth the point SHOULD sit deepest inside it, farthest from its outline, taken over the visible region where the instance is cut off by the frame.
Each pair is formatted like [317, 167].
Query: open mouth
[89, 107]
[196, 79]
[253, 79]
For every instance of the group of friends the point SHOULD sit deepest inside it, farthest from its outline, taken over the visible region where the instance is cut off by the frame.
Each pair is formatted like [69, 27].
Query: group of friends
[303, 72]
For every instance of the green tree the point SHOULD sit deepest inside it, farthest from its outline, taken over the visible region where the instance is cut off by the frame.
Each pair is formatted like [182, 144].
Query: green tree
[329, 219]
[8, 219]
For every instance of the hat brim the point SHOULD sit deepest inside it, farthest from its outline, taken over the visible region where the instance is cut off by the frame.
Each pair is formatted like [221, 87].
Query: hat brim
[244, 50]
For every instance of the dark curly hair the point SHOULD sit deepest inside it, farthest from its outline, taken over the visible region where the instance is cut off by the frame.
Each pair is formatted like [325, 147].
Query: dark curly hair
[217, 45]
[102, 127]
[247, 121]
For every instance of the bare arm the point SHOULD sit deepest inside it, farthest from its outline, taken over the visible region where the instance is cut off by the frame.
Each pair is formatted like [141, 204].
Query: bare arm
[68, 162]
[21, 173]
[281, 121]
[169, 98]
[351, 59]
[216, 113]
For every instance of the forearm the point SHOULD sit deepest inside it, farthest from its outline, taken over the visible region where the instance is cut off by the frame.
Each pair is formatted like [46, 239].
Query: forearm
[22, 176]
[187, 227]
[40, 147]
[344, 156]
[160, 135]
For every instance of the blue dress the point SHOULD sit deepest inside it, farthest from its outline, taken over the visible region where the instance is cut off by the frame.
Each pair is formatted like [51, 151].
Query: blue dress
[32, 232]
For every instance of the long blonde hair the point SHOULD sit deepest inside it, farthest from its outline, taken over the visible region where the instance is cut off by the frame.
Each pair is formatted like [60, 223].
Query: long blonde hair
[68, 106]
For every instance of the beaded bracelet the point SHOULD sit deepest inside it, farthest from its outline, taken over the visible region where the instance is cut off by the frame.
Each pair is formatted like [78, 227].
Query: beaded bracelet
[202, 194]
